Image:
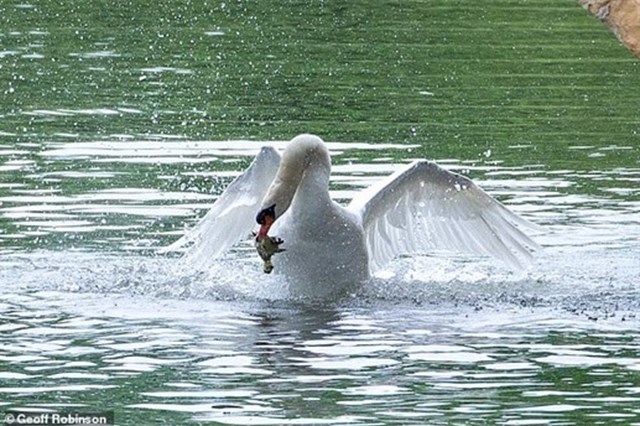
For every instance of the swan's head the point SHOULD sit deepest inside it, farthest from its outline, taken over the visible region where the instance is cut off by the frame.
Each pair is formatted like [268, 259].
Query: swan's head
[278, 198]
[305, 155]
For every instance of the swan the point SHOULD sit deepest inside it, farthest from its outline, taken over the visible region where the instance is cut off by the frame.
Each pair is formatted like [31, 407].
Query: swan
[330, 247]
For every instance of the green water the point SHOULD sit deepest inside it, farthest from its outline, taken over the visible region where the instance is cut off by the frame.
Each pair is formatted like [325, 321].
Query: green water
[450, 75]
[121, 121]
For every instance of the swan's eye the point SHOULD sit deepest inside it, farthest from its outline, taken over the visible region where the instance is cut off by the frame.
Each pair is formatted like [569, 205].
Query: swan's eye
[269, 211]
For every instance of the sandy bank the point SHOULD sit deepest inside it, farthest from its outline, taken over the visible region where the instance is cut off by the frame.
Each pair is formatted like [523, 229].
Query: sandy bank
[622, 16]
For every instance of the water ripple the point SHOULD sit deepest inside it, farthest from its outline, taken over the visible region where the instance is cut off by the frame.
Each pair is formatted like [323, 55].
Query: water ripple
[218, 364]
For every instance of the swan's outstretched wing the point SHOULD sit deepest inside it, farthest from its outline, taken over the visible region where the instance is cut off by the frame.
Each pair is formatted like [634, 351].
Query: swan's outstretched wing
[426, 207]
[232, 216]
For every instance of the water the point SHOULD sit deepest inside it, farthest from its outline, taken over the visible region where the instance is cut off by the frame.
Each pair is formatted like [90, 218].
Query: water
[120, 123]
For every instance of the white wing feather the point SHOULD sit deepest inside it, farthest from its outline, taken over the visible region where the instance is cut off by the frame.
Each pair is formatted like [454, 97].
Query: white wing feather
[232, 216]
[425, 207]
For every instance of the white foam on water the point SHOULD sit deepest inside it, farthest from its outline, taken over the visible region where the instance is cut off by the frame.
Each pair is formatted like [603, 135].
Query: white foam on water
[595, 282]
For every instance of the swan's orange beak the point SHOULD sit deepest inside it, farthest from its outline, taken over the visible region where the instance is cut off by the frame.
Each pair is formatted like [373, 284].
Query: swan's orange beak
[265, 226]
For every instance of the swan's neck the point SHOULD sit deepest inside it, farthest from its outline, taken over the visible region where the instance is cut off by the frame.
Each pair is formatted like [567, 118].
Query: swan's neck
[305, 167]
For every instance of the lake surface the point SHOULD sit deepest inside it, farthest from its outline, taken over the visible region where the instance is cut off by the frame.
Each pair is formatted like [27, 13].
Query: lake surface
[121, 122]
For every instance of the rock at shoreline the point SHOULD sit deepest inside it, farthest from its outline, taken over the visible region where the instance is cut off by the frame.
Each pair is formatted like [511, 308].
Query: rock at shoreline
[623, 17]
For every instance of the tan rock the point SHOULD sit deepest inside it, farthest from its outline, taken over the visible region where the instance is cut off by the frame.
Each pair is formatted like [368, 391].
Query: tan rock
[623, 17]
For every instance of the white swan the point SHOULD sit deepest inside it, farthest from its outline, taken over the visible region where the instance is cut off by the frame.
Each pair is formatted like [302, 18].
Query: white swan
[330, 247]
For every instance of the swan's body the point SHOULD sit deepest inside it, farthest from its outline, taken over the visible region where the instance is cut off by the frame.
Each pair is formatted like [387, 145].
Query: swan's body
[330, 247]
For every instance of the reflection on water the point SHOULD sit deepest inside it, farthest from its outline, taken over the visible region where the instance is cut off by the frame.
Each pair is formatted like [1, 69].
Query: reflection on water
[209, 361]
